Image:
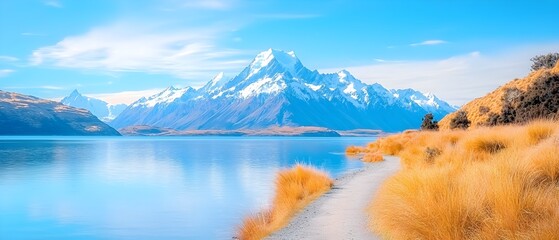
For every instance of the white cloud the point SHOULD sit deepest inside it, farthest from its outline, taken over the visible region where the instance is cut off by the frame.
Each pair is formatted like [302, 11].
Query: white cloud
[8, 59]
[457, 79]
[53, 3]
[428, 42]
[138, 47]
[6, 72]
[126, 97]
[49, 87]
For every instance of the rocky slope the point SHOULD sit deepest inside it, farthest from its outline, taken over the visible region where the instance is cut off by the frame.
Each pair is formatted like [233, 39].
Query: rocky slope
[27, 115]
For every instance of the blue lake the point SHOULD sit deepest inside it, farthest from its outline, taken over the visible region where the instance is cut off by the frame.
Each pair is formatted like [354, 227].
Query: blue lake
[148, 187]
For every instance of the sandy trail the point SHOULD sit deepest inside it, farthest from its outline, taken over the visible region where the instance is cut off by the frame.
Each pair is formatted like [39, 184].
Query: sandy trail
[340, 213]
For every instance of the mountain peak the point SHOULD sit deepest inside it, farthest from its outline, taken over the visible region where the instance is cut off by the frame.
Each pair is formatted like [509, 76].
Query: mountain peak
[218, 77]
[287, 60]
[171, 88]
[344, 74]
[75, 93]
[97, 107]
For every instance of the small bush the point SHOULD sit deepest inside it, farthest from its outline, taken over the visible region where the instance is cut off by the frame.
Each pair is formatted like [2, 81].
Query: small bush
[431, 154]
[544, 61]
[483, 110]
[429, 123]
[492, 119]
[460, 120]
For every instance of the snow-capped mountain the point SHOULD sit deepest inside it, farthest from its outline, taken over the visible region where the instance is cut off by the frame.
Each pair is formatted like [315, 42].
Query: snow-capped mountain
[428, 101]
[277, 90]
[101, 109]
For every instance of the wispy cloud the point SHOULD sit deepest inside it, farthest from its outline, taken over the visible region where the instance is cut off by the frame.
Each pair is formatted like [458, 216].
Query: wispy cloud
[6, 72]
[31, 34]
[8, 59]
[429, 42]
[53, 3]
[287, 16]
[136, 47]
[456, 79]
[49, 87]
[380, 60]
[209, 4]
[126, 97]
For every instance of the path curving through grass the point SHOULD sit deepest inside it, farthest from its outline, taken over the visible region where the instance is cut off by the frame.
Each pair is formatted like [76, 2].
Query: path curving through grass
[341, 212]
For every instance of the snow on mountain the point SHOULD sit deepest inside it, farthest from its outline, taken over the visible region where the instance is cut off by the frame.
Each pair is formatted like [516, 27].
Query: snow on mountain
[168, 96]
[287, 60]
[275, 89]
[101, 109]
[428, 101]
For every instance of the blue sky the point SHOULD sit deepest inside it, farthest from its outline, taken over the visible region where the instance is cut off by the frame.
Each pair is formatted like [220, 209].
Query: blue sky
[120, 50]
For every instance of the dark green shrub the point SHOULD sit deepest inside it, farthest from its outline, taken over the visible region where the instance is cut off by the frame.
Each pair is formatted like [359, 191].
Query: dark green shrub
[428, 123]
[544, 61]
[460, 120]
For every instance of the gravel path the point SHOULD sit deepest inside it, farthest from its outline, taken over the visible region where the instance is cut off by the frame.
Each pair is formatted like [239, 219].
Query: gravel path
[340, 213]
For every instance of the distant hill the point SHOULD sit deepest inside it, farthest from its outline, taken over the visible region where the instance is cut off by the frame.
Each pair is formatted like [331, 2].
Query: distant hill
[101, 109]
[273, 131]
[27, 115]
[277, 90]
[518, 101]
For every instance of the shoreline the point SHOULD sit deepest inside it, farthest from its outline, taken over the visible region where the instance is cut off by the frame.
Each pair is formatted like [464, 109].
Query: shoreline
[341, 212]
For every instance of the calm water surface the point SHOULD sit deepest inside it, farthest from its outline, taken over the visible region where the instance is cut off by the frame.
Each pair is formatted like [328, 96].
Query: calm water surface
[147, 187]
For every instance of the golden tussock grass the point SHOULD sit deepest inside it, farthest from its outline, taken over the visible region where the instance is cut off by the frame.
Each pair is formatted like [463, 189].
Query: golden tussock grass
[373, 157]
[295, 188]
[370, 153]
[354, 150]
[484, 183]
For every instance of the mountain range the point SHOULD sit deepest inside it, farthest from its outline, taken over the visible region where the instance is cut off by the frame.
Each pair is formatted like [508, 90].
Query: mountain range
[276, 90]
[104, 111]
[27, 115]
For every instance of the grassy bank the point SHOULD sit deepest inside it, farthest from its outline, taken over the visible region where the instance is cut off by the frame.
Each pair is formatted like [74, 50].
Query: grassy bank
[366, 154]
[485, 183]
[295, 188]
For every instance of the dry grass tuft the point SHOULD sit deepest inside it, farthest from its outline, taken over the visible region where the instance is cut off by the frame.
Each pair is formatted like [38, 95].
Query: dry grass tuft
[354, 150]
[539, 130]
[485, 143]
[373, 157]
[295, 188]
[484, 183]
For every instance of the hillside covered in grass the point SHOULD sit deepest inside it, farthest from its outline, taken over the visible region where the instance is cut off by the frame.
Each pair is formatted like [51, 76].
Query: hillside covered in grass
[518, 101]
[497, 179]
[486, 183]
